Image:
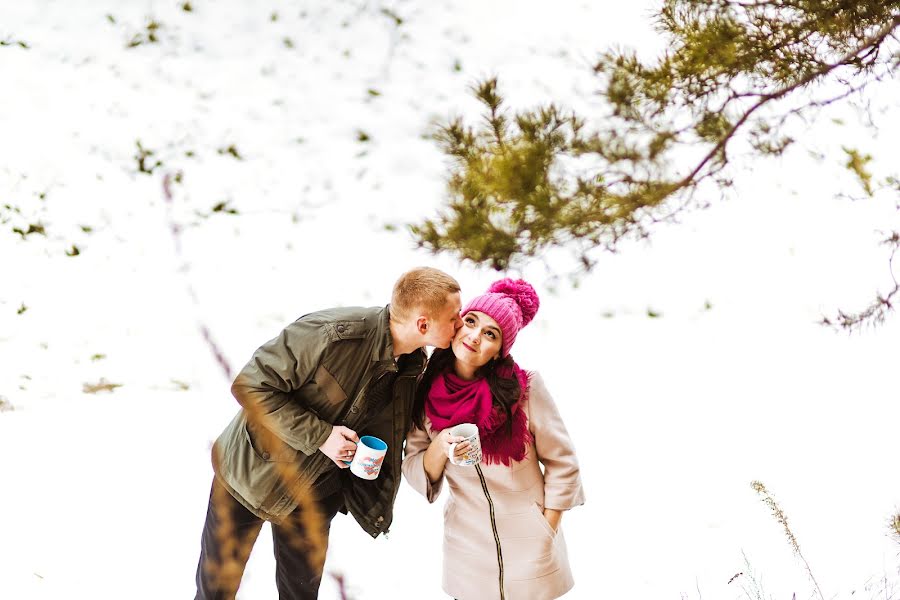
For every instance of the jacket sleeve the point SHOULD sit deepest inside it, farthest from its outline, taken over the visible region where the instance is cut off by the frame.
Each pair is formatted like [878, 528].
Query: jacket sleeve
[277, 368]
[417, 442]
[562, 477]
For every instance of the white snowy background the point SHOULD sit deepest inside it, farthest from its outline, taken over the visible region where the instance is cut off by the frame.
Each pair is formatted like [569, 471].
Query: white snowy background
[103, 495]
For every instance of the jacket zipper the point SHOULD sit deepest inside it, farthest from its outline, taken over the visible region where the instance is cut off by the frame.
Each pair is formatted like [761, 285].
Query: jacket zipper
[487, 495]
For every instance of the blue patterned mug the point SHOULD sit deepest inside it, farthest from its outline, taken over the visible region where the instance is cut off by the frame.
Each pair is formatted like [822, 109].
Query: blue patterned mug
[366, 463]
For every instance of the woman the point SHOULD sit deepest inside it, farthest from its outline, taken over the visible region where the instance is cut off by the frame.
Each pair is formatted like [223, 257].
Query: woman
[502, 535]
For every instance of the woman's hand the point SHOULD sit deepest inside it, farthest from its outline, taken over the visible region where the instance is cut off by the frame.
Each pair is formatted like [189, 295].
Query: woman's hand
[446, 439]
[553, 517]
[438, 453]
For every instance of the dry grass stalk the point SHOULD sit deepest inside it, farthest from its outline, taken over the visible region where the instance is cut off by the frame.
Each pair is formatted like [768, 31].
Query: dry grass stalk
[341, 581]
[779, 515]
[312, 538]
[307, 531]
[229, 569]
[750, 584]
[305, 526]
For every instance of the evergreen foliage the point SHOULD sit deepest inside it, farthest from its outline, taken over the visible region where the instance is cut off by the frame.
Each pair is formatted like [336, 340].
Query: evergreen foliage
[735, 72]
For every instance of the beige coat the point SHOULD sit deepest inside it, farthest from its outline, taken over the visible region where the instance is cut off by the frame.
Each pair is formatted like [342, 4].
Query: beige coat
[535, 563]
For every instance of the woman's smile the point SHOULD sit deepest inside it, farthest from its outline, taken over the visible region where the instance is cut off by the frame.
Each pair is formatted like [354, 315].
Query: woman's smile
[476, 343]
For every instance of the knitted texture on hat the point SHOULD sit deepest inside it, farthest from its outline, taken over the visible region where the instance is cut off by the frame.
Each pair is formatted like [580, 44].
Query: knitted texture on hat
[512, 303]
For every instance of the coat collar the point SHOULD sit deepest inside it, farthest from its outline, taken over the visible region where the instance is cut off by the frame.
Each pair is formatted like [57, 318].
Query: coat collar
[384, 349]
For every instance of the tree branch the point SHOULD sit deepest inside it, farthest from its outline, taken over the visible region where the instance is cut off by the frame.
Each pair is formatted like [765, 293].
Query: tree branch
[871, 42]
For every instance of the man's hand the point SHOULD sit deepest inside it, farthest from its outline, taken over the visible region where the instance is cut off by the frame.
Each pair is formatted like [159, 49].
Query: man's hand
[340, 445]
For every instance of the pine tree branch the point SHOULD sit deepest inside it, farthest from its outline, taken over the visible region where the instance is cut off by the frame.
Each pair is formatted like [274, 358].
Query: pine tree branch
[731, 64]
[877, 311]
[869, 43]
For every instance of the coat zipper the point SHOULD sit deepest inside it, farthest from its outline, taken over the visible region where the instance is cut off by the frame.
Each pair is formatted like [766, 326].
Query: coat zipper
[487, 495]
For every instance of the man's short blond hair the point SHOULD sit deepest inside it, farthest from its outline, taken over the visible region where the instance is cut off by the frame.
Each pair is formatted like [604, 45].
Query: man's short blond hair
[423, 287]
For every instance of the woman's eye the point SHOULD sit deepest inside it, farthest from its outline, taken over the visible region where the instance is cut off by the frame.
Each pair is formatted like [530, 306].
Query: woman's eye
[469, 320]
[491, 335]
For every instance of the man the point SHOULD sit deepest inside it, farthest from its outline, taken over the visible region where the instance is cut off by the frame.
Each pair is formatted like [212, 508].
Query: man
[304, 396]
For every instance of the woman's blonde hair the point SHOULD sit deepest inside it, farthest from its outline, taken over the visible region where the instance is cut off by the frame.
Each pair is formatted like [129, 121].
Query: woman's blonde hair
[423, 287]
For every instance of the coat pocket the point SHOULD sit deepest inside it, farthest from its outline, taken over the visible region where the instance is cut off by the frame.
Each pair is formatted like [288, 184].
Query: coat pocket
[267, 447]
[330, 387]
[542, 520]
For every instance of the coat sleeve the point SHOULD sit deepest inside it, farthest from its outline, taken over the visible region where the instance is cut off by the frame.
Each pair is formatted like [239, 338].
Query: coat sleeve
[277, 368]
[417, 442]
[562, 477]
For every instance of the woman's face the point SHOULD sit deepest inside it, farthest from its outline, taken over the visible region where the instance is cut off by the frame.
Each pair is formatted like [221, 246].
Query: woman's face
[477, 342]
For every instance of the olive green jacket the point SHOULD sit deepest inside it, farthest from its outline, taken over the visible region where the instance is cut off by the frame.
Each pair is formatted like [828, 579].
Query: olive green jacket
[312, 376]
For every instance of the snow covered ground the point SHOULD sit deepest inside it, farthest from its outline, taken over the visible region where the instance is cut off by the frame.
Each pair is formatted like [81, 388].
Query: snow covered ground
[263, 106]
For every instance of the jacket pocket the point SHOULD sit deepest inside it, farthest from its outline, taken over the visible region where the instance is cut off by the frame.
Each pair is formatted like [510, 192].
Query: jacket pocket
[329, 386]
[269, 448]
[544, 523]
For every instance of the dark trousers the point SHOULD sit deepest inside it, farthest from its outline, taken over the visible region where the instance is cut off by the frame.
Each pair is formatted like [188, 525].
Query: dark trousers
[228, 536]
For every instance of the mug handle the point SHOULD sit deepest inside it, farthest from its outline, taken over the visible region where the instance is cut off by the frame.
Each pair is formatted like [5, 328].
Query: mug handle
[347, 462]
[451, 451]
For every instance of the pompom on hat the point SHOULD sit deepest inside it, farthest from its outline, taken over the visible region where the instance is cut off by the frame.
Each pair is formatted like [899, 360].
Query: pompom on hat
[512, 303]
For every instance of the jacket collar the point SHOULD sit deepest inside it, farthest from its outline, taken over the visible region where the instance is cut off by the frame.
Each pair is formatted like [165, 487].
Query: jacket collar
[384, 349]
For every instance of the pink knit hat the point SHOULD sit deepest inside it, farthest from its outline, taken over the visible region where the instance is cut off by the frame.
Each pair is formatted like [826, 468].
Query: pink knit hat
[512, 303]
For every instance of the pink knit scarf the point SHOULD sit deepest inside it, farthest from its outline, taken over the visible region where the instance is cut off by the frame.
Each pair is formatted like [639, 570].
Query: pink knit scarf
[452, 400]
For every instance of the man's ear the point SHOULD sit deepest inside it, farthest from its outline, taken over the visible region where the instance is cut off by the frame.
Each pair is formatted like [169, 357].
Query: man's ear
[422, 325]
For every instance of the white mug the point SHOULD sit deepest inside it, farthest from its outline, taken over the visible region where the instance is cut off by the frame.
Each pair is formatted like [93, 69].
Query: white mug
[366, 463]
[473, 455]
